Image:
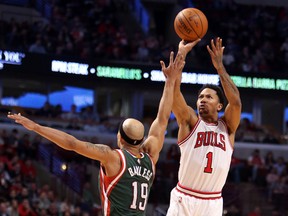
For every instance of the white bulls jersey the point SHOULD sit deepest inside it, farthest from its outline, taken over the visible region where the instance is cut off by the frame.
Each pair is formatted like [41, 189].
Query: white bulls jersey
[205, 160]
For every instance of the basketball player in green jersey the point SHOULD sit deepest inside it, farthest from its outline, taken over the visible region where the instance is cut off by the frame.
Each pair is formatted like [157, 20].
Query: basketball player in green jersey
[127, 173]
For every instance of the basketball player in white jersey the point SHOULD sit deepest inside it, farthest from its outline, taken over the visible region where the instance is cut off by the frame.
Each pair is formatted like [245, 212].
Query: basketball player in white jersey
[206, 141]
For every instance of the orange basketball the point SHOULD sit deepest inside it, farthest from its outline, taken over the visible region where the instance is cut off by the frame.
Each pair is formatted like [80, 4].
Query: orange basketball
[191, 24]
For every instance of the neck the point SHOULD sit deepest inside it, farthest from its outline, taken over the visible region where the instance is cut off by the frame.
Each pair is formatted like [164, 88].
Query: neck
[209, 119]
[135, 150]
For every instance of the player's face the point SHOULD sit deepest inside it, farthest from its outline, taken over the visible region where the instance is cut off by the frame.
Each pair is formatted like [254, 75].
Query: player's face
[208, 103]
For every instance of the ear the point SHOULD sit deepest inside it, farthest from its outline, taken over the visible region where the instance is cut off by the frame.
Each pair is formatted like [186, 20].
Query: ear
[220, 106]
[119, 137]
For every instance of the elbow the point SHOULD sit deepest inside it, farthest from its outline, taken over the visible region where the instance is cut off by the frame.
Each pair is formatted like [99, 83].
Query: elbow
[237, 103]
[71, 143]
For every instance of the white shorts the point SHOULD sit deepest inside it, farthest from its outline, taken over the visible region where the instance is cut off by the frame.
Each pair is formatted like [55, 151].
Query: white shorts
[185, 205]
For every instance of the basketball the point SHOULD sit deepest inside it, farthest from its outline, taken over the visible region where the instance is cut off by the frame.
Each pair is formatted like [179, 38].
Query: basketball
[190, 24]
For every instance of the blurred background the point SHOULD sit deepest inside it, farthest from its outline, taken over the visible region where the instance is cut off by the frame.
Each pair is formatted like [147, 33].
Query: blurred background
[83, 66]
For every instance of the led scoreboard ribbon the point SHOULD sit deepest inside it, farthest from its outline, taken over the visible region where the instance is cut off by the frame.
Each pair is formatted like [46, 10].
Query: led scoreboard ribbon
[34, 63]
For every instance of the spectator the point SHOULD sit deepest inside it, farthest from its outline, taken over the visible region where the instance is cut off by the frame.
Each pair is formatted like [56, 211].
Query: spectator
[255, 212]
[43, 201]
[28, 171]
[72, 114]
[233, 211]
[280, 166]
[46, 110]
[271, 179]
[269, 160]
[12, 209]
[5, 180]
[236, 167]
[13, 142]
[256, 164]
[25, 209]
[284, 50]
[57, 111]
[88, 115]
[37, 47]
[3, 208]
[279, 190]
[23, 148]
[87, 195]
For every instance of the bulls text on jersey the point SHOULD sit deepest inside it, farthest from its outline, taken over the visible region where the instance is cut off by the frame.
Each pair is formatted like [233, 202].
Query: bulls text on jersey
[211, 138]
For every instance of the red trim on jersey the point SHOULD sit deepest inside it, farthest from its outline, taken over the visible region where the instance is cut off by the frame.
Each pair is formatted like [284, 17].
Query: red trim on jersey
[180, 142]
[210, 123]
[133, 155]
[198, 194]
[226, 128]
[108, 183]
[104, 198]
[153, 165]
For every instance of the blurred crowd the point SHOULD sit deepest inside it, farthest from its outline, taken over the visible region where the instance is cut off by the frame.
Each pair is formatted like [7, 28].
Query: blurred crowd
[266, 172]
[84, 29]
[255, 37]
[21, 192]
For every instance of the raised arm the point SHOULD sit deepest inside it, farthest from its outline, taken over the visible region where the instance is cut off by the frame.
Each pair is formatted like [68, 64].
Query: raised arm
[99, 152]
[185, 115]
[232, 112]
[154, 142]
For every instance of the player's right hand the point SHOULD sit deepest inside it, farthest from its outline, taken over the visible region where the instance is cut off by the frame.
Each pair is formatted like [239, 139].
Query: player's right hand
[185, 47]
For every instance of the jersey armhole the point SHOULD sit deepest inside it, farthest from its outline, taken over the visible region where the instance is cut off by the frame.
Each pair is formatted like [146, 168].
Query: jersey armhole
[180, 142]
[109, 179]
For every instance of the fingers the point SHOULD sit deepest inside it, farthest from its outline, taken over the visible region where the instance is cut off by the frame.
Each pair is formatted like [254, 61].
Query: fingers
[209, 50]
[190, 45]
[171, 57]
[179, 59]
[217, 44]
[213, 44]
[13, 115]
[182, 43]
[219, 41]
[162, 65]
[196, 41]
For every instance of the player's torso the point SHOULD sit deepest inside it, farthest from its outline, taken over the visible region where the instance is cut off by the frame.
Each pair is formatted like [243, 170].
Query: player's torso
[205, 157]
[128, 193]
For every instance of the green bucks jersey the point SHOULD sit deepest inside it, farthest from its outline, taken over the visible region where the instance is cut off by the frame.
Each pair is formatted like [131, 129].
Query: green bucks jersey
[127, 193]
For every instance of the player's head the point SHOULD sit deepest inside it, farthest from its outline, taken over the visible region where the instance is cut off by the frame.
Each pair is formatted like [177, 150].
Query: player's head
[210, 100]
[131, 132]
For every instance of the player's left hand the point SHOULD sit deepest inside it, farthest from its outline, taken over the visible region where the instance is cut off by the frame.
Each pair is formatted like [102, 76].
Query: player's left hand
[175, 67]
[216, 52]
[27, 123]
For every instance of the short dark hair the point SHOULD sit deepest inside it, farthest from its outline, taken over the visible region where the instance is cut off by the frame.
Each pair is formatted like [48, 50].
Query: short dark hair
[218, 90]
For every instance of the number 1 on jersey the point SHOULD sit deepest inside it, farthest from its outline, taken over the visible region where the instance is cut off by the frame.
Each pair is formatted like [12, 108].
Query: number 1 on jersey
[208, 168]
